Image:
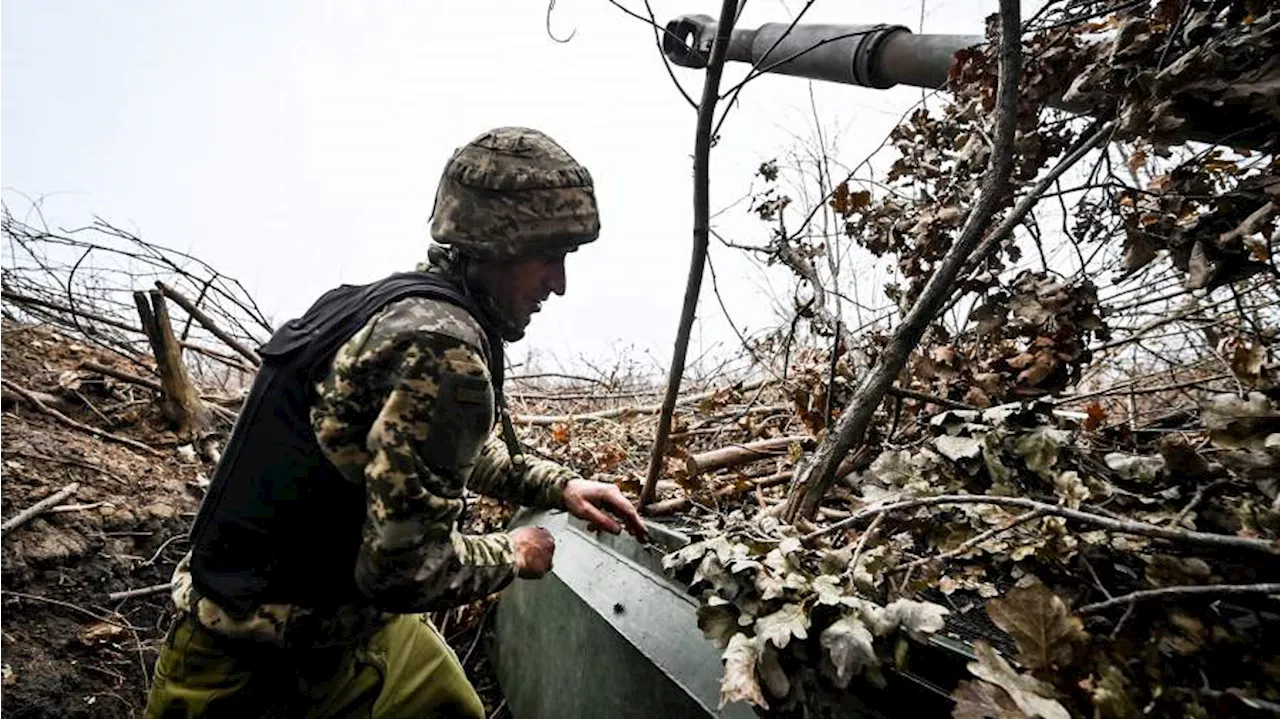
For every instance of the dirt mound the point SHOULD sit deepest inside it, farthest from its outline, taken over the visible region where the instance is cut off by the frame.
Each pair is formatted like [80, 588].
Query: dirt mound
[69, 648]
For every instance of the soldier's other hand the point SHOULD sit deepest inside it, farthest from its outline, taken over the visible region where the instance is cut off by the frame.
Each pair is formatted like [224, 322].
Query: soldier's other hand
[534, 549]
[585, 499]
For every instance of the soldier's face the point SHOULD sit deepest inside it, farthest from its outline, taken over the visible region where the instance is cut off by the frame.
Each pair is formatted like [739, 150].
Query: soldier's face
[521, 286]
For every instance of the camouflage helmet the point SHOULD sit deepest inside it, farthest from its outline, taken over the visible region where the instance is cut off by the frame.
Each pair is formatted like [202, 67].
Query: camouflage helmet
[512, 192]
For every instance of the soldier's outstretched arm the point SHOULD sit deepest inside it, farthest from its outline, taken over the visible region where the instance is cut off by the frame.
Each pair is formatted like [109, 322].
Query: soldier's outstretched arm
[406, 410]
[550, 485]
[541, 485]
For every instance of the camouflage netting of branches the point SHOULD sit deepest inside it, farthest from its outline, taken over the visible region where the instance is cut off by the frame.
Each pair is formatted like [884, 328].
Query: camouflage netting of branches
[1110, 500]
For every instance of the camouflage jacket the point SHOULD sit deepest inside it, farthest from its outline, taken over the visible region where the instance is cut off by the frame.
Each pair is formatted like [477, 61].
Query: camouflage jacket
[408, 409]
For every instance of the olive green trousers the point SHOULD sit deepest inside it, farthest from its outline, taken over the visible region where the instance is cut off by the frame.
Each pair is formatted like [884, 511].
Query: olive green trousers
[405, 670]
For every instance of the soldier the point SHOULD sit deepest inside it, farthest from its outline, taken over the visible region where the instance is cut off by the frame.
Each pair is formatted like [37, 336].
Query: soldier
[330, 526]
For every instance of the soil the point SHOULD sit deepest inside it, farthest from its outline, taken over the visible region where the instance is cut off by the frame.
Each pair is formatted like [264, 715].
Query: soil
[68, 651]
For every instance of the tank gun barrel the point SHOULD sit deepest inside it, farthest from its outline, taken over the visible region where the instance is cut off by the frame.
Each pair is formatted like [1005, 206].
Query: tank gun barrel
[876, 56]
[882, 56]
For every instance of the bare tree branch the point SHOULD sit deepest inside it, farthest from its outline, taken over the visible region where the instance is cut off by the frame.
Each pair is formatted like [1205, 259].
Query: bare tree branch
[701, 239]
[1205, 539]
[1188, 591]
[208, 323]
[971, 542]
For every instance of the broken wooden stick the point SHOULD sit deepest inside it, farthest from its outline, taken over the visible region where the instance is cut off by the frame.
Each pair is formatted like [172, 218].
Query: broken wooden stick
[207, 322]
[39, 508]
[24, 300]
[121, 375]
[7, 398]
[180, 400]
[823, 512]
[140, 592]
[1195, 590]
[75, 507]
[25, 394]
[224, 358]
[74, 607]
[543, 420]
[1123, 526]
[738, 454]
[212, 404]
[896, 391]
[855, 462]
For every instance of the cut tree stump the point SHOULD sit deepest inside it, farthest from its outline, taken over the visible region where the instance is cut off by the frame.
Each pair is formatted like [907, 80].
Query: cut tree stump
[180, 400]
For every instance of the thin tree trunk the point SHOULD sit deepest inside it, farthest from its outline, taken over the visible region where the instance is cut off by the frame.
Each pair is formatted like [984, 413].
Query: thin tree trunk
[815, 476]
[180, 400]
[701, 239]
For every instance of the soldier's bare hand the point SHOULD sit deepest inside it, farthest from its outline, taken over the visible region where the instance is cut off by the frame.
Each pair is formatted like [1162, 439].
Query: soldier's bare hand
[585, 499]
[535, 548]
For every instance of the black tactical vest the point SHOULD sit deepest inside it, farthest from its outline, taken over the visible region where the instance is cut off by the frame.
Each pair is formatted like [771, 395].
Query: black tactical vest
[280, 524]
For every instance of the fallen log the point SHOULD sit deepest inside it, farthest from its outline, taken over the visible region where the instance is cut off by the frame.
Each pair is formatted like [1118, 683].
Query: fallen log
[738, 454]
[39, 508]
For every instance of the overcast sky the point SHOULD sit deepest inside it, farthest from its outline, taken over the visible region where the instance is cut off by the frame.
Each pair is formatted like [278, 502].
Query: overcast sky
[296, 144]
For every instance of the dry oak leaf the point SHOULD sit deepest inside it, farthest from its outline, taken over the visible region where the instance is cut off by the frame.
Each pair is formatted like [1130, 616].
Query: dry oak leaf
[846, 202]
[739, 682]
[918, 619]
[1094, 416]
[560, 433]
[1040, 623]
[980, 700]
[1025, 690]
[100, 632]
[781, 625]
[847, 649]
